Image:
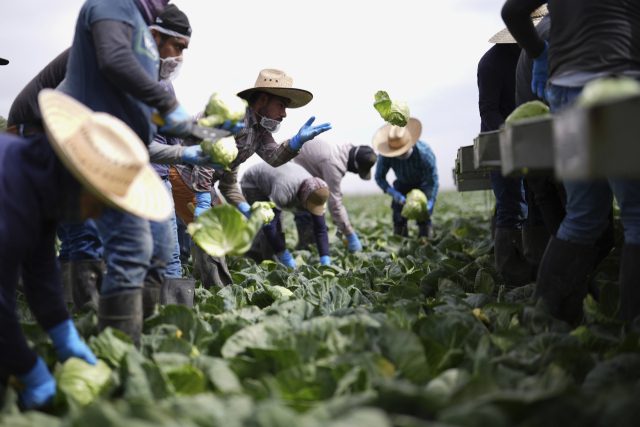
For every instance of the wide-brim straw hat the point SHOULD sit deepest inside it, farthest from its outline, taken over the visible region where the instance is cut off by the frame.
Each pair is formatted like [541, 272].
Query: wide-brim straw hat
[105, 155]
[394, 141]
[504, 36]
[278, 83]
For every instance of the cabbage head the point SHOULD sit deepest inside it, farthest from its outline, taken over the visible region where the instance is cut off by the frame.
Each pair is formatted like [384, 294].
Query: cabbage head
[82, 381]
[416, 206]
[223, 151]
[528, 109]
[397, 113]
[222, 230]
[223, 107]
[607, 90]
[267, 210]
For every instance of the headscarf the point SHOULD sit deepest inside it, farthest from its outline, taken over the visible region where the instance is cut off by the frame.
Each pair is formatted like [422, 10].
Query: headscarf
[151, 9]
[308, 186]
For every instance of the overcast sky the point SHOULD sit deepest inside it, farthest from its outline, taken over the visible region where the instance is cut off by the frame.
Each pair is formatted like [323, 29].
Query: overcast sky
[422, 52]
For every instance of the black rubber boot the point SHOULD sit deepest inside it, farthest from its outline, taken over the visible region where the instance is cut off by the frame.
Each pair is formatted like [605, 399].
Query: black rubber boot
[510, 259]
[425, 231]
[213, 271]
[122, 311]
[178, 291]
[401, 230]
[86, 280]
[67, 289]
[150, 297]
[305, 237]
[562, 278]
[534, 242]
[630, 283]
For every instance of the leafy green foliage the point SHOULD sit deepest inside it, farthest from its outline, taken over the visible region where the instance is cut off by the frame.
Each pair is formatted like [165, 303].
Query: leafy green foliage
[416, 206]
[607, 90]
[397, 112]
[223, 107]
[526, 110]
[267, 210]
[222, 151]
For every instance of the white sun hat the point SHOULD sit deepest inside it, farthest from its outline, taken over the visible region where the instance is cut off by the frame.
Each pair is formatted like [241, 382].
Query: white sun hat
[505, 36]
[105, 156]
[279, 83]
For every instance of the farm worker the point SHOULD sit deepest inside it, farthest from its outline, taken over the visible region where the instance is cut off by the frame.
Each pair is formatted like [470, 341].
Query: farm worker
[268, 100]
[330, 162]
[589, 39]
[550, 195]
[414, 164]
[292, 189]
[39, 186]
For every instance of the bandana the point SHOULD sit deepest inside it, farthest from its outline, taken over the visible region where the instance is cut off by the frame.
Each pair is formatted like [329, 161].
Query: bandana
[151, 9]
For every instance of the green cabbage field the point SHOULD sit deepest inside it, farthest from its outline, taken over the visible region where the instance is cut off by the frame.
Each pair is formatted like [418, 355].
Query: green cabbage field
[407, 333]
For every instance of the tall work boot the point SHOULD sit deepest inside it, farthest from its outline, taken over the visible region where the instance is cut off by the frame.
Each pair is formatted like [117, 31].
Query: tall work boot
[510, 260]
[603, 246]
[425, 230]
[630, 283]
[534, 242]
[213, 271]
[305, 237]
[178, 291]
[67, 289]
[86, 281]
[122, 311]
[562, 278]
[401, 230]
[150, 297]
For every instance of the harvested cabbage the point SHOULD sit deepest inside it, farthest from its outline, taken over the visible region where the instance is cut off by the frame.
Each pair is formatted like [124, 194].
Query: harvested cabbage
[267, 210]
[607, 90]
[223, 107]
[83, 381]
[416, 206]
[222, 230]
[529, 109]
[397, 112]
[223, 151]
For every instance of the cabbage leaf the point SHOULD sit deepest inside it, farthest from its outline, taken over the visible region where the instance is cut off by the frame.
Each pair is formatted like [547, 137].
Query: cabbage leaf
[223, 107]
[267, 210]
[528, 109]
[397, 112]
[416, 206]
[607, 90]
[223, 151]
[82, 381]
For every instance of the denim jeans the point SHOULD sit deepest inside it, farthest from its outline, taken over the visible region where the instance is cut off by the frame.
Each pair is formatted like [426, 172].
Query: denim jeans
[174, 267]
[79, 241]
[588, 203]
[184, 241]
[403, 188]
[511, 203]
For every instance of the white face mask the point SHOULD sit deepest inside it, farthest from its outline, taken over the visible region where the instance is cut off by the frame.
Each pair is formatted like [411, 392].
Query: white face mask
[406, 155]
[170, 67]
[271, 125]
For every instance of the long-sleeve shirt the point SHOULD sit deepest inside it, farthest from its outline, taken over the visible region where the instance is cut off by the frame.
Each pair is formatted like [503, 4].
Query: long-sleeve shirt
[524, 71]
[329, 162]
[497, 85]
[419, 167]
[165, 154]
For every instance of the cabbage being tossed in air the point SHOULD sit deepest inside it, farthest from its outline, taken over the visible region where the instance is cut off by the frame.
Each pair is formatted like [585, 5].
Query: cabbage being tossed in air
[223, 107]
[416, 206]
[223, 151]
[266, 208]
[607, 90]
[528, 109]
[397, 112]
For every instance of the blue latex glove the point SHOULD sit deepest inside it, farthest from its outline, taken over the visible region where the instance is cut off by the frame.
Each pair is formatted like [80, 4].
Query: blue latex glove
[178, 122]
[204, 203]
[541, 72]
[287, 260]
[430, 204]
[325, 260]
[233, 129]
[353, 243]
[40, 387]
[195, 156]
[307, 133]
[245, 208]
[68, 343]
[397, 196]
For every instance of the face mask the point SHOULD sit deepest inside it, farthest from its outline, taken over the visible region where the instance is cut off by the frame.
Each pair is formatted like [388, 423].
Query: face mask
[170, 67]
[271, 125]
[406, 155]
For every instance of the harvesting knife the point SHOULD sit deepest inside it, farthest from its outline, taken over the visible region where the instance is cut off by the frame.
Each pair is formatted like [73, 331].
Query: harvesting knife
[198, 132]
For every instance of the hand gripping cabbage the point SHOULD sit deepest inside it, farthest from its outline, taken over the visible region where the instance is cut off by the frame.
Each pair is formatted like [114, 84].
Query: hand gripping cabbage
[266, 208]
[223, 151]
[397, 112]
[607, 90]
[529, 109]
[223, 107]
[83, 382]
[416, 206]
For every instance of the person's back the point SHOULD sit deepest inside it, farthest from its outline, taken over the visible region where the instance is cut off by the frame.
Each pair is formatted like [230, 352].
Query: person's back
[281, 184]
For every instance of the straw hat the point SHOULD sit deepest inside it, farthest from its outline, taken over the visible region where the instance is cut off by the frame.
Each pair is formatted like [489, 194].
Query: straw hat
[105, 155]
[394, 141]
[278, 83]
[505, 36]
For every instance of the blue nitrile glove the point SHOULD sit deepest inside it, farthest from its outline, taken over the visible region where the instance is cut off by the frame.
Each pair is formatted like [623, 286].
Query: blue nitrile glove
[178, 122]
[325, 260]
[68, 343]
[430, 204]
[204, 203]
[307, 133]
[287, 260]
[541, 72]
[233, 129]
[195, 156]
[397, 196]
[353, 243]
[245, 208]
[40, 387]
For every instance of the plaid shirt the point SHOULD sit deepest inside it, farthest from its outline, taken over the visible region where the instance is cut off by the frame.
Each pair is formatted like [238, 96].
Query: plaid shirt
[251, 139]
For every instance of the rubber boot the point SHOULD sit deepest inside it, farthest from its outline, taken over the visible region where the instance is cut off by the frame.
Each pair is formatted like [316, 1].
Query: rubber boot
[534, 242]
[122, 311]
[305, 237]
[265, 248]
[150, 297]
[86, 280]
[178, 292]
[213, 271]
[67, 289]
[562, 278]
[510, 260]
[401, 230]
[630, 282]
[425, 231]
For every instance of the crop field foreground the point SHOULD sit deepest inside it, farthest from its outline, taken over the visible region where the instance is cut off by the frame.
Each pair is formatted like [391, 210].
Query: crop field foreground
[406, 333]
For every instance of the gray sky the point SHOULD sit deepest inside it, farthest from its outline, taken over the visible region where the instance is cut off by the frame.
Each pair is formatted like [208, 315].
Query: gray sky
[422, 52]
